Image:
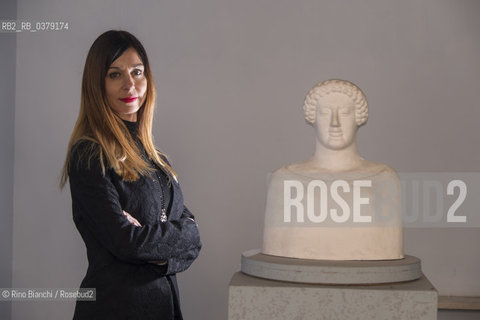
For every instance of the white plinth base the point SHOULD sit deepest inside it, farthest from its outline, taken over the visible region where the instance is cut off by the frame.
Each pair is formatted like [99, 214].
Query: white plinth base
[254, 298]
[330, 272]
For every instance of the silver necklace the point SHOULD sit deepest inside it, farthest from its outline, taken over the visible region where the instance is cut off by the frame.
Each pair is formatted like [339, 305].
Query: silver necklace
[163, 215]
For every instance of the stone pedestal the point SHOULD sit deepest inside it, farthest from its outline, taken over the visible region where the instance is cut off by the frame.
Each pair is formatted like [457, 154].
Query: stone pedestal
[252, 298]
[307, 290]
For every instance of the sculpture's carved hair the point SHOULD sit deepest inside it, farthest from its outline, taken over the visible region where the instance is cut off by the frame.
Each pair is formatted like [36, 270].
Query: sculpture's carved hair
[341, 86]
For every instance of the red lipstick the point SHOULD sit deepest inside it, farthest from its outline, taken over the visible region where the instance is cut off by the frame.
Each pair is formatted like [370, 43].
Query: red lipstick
[128, 99]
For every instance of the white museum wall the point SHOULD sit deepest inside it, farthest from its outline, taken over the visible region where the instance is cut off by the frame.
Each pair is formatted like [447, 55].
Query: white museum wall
[231, 77]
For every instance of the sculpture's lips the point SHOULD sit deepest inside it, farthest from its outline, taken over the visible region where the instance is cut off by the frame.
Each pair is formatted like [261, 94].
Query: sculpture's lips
[335, 133]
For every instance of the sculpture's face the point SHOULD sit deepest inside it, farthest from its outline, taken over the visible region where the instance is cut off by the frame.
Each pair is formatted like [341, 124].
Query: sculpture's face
[335, 121]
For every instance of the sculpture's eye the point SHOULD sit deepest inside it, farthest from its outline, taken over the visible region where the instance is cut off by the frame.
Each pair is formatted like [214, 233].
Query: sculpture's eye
[323, 111]
[345, 111]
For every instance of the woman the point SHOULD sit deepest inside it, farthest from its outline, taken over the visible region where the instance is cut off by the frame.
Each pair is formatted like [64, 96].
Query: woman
[126, 200]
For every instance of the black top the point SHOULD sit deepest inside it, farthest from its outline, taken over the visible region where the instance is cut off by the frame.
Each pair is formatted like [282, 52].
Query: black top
[127, 285]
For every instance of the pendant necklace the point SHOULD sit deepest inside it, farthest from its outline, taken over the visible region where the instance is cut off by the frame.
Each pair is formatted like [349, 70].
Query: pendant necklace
[163, 215]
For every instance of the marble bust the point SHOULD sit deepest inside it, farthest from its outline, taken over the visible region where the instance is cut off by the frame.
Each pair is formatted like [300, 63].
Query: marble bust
[334, 205]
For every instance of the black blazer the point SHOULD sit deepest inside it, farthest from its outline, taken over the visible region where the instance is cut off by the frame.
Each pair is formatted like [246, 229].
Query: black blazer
[127, 286]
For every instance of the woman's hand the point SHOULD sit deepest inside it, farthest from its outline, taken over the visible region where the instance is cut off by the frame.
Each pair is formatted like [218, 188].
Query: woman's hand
[135, 222]
[131, 219]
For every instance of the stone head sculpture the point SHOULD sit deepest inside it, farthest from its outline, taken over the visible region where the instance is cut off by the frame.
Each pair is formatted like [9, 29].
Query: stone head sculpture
[336, 109]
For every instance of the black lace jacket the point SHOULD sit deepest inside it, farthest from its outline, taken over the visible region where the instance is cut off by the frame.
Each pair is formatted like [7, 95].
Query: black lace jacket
[127, 285]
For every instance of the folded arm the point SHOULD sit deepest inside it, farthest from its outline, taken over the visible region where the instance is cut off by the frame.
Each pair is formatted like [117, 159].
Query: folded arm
[96, 202]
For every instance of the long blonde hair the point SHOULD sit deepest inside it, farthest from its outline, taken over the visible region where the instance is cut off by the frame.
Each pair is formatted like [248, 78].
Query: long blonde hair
[98, 123]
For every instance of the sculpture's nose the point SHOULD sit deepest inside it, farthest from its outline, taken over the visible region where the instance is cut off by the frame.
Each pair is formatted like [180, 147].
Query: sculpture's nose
[334, 120]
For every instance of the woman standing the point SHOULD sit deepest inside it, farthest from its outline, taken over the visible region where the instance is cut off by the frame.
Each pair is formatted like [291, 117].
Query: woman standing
[126, 200]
